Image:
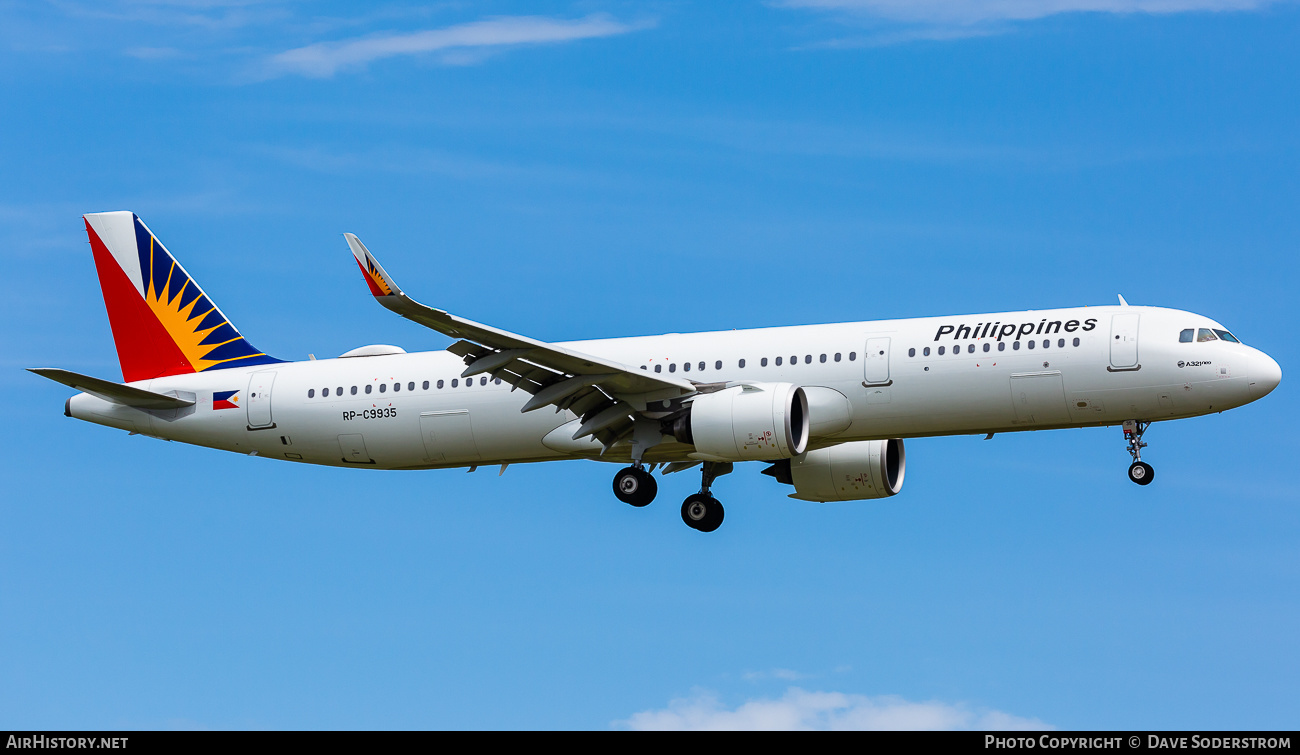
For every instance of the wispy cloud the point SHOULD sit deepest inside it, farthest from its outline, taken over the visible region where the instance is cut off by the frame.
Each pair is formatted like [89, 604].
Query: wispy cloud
[458, 45]
[979, 11]
[894, 22]
[800, 709]
[783, 674]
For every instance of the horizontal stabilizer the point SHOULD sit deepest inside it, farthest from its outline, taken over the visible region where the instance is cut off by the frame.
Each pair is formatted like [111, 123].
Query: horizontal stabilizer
[110, 391]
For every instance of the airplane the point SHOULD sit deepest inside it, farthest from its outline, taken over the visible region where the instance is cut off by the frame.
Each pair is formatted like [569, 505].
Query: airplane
[825, 407]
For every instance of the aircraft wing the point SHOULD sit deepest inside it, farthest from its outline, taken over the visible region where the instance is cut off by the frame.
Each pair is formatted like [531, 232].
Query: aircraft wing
[606, 394]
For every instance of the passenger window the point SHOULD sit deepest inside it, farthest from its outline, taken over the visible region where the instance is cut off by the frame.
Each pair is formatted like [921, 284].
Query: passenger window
[837, 356]
[311, 393]
[396, 387]
[1047, 342]
[1060, 343]
[1002, 345]
[455, 382]
[1076, 342]
[853, 355]
[807, 359]
[940, 351]
[383, 387]
[369, 388]
[1206, 335]
[440, 384]
[823, 359]
[686, 366]
[910, 353]
[701, 366]
[338, 391]
[1015, 346]
[482, 380]
[497, 381]
[672, 367]
[778, 361]
[987, 347]
[1032, 344]
[970, 348]
[643, 367]
[762, 362]
[325, 392]
[425, 386]
[1225, 335]
[659, 368]
[925, 352]
[794, 360]
[1186, 335]
[742, 364]
[353, 391]
[718, 364]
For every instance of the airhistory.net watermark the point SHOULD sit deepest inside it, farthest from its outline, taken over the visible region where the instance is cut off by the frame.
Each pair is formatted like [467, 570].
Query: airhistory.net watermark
[43, 742]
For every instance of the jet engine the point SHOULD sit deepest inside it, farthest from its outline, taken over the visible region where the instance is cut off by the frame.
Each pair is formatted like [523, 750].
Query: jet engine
[847, 472]
[746, 422]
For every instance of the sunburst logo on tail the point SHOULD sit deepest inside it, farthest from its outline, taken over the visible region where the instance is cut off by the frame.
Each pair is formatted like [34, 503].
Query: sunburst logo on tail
[378, 286]
[200, 331]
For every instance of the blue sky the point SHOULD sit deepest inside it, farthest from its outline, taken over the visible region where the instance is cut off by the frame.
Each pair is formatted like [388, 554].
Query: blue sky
[586, 169]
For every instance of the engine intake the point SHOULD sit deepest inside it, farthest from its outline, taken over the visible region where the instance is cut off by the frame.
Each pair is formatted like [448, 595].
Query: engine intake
[746, 423]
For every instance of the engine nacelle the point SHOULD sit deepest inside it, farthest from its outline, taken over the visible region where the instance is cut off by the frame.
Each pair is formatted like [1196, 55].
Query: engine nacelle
[747, 423]
[849, 471]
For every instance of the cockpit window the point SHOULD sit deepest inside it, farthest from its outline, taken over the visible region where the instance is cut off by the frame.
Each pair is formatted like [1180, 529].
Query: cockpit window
[1186, 335]
[1206, 335]
[1225, 335]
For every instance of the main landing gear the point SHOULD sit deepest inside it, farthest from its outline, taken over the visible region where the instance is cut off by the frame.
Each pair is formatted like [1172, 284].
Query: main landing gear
[1140, 471]
[635, 486]
[702, 511]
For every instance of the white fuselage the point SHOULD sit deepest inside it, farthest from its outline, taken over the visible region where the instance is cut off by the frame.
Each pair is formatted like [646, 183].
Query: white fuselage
[1087, 366]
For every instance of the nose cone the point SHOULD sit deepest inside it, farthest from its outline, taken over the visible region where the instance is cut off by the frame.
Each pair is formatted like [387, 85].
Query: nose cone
[1265, 374]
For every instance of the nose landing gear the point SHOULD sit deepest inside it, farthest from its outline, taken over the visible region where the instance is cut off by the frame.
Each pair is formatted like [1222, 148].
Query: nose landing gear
[1139, 471]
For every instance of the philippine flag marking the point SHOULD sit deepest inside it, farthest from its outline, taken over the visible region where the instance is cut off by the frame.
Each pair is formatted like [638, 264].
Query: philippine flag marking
[225, 400]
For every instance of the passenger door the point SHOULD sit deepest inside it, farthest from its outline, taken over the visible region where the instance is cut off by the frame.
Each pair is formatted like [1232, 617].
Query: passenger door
[259, 400]
[875, 362]
[1124, 341]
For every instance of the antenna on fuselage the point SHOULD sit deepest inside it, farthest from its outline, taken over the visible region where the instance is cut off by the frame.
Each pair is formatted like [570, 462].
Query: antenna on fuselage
[1122, 303]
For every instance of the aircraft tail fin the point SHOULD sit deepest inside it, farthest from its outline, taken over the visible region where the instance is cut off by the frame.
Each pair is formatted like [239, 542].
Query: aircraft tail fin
[163, 323]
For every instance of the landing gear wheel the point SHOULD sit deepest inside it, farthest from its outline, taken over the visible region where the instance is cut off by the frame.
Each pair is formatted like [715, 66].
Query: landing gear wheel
[702, 512]
[635, 486]
[1141, 473]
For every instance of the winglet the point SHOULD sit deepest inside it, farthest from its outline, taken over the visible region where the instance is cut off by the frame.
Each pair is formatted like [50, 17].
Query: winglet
[381, 284]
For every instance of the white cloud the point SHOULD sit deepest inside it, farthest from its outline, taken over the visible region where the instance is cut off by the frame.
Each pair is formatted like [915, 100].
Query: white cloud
[800, 709]
[964, 12]
[460, 44]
